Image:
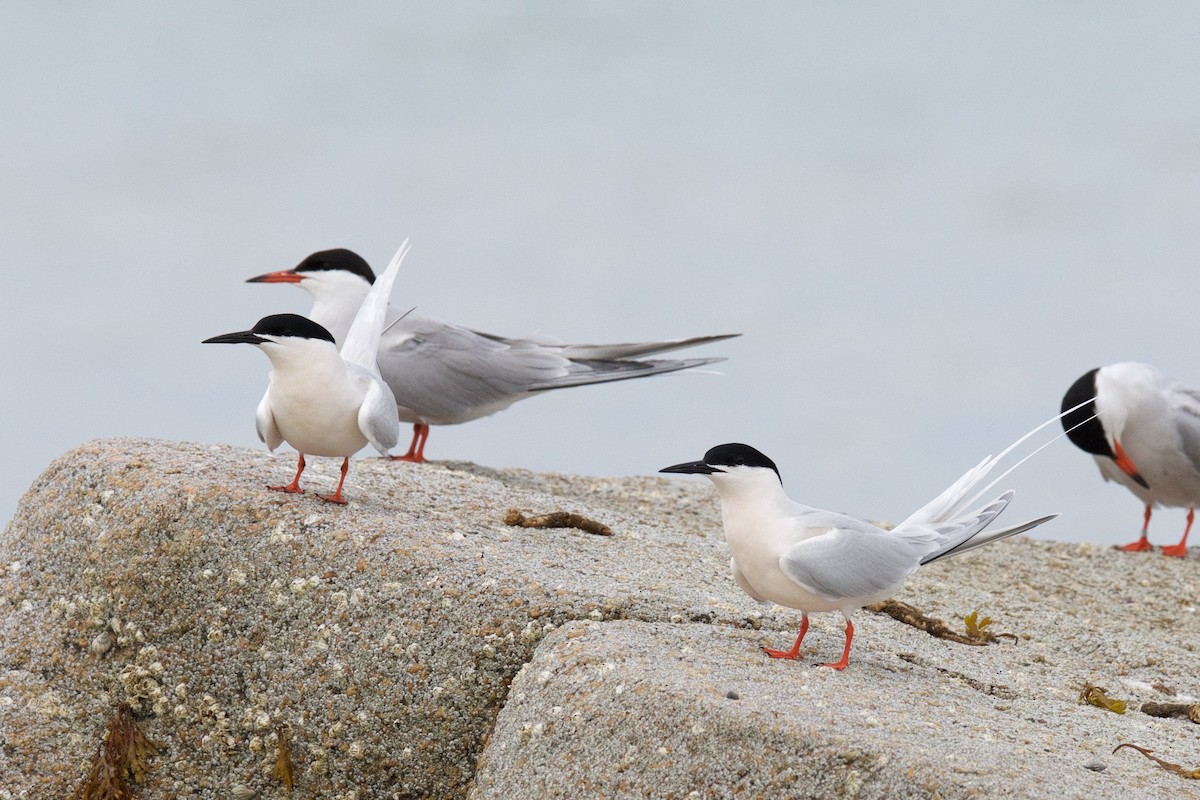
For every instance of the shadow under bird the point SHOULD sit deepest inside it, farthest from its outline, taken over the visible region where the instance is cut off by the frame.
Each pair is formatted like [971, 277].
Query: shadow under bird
[445, 374]
[1144, 434]
[815, 560]
[322, 401]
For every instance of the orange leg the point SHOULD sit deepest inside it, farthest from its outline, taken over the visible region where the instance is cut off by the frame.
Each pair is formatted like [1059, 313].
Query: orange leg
[1180, 550]
[845, 653]
[294, 486]
[794, 653]
[336, 497]
[416, 448]
[1144, 542]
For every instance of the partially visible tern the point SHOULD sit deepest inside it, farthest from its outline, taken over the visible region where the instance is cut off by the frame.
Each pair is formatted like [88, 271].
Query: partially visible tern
[1145, 435]
[445, 374]
[814, 560]
[322, 401]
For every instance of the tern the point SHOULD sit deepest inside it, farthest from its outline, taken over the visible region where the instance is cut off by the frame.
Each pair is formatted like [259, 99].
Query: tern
[445, 374]
[1144, 435]
[322, 401]
[815, 560]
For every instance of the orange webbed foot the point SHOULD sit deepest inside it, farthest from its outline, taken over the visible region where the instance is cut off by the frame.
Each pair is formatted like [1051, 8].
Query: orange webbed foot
[1140, 546]
[790, 655]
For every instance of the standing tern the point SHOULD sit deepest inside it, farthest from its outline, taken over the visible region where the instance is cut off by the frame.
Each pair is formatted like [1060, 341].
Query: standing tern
[1144, 435]
[322, 401]
[814, 560]
[445, 374]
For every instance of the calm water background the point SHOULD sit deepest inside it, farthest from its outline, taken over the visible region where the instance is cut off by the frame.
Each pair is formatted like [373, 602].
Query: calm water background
[927, 218]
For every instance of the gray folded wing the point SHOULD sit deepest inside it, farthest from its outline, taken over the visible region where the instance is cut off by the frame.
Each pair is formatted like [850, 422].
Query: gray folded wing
[853, 562]
[617, 352]
[378, 418]
[446, 373]
[1186, 405]
[583, 373]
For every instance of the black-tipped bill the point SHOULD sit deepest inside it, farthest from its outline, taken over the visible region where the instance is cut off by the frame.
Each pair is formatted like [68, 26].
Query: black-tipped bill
[284, 276]
[238, 337]
[692, 468]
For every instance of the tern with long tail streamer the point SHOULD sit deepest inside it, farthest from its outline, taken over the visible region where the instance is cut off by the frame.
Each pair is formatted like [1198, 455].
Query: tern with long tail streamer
[445, 374]
[322, 401]
[815, 560]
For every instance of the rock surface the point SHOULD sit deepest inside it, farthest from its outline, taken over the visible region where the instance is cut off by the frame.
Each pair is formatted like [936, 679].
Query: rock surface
[380, 640]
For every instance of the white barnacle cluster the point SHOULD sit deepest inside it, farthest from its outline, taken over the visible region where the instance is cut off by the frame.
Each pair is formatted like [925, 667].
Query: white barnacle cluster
[255, 718]
[142, 682]
[61, 607]
[275, 593]
[322, 634]
[280, 534]
[392, 645]
[339, 601]
[534, 631]
[50, 704]
[302, 586]
[221, 731]
[127, 633]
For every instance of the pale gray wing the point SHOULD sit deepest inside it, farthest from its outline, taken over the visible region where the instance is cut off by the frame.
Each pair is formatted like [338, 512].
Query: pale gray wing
[378, 418]
[583, 373]
[628, 350]
[847, 563]
[1186, 404]
[446, 373]
[264, 423]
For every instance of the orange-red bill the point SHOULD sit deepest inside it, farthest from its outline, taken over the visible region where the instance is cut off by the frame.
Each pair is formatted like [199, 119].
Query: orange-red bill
[283, 276]
[1127, 466]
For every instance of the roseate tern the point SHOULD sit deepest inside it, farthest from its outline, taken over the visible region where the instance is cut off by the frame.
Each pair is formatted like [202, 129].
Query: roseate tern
[815, 560]
[322, 401]
[445, 374]
[1144, 434]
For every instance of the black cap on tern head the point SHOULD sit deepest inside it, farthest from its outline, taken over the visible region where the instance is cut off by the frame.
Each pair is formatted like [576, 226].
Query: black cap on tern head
[726, 455]
[282, 325]
[338, 258]
[1088, 436]
[1086, 431]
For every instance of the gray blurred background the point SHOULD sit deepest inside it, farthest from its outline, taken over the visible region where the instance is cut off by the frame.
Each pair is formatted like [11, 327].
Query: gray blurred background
[926, 218]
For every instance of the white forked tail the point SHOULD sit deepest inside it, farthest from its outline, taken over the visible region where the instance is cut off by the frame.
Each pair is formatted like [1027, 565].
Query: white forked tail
[362, 340]
[946, 505]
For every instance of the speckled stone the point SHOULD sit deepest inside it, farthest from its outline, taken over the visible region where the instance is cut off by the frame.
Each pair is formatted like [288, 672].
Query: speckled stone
[382, 638]
[382, 634]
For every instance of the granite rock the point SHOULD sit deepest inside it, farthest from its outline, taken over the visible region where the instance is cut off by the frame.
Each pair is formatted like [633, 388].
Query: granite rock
[380, 639]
